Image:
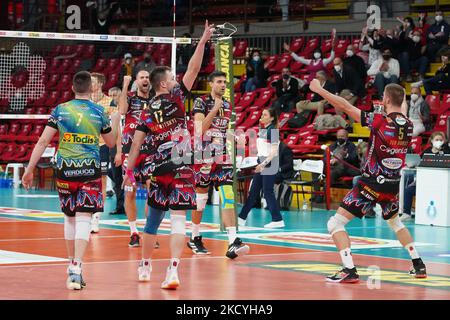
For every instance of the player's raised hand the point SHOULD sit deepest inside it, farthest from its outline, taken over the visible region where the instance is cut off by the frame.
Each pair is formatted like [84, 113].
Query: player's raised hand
[208, 32]
[315, 86]
[286, 47]
[127, 79]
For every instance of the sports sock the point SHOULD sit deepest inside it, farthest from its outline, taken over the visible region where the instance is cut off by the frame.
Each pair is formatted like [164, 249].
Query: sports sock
[133, 228]
[411, 248]
[347, 259]
[195, 230]
[174, 262]
[231, 231]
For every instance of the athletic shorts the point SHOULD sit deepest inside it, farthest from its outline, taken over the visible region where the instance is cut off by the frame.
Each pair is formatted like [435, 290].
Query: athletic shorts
[174, 190]
[76, 196]
[362, 198]
[137, 166]
[104, 159]
[217, 174]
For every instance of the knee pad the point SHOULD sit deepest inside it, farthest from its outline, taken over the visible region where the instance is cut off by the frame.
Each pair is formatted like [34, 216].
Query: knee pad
[82, 226]
[69, 228]
[178, 224]
[226, 196]
[202, 198]
[396, 224]
[336, 224]
[154, 219]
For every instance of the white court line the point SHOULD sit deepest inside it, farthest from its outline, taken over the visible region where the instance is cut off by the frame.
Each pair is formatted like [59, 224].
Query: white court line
[38, 239]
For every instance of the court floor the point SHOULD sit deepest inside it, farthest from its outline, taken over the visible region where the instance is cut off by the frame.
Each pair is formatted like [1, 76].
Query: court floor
[289, 263]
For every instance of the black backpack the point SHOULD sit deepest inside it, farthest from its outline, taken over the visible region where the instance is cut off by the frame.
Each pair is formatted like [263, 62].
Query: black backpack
[283, 193]
[300, 119]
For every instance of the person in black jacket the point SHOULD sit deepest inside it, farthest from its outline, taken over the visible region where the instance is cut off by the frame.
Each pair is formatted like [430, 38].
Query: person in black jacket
[356, 62]
[441, 79]
[343, 150]
[413, 56]
[286, 170]
[287, 92]
[256, 73]
[437, 36]
[346, 78]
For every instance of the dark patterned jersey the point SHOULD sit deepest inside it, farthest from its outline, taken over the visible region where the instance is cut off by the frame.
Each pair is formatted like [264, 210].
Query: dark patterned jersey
[135, 106]
[390, 137]
[164, 122]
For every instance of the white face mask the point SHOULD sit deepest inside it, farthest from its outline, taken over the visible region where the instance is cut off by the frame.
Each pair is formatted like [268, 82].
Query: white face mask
[317, 55]
[256, 58]
[439, 18]
[349, 53]
[414, 97]
[337, 68]
[128, 60]
[438, 144]
[416, 39]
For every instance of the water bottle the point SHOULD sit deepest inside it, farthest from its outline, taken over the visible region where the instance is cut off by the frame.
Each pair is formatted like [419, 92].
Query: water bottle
[305, 205]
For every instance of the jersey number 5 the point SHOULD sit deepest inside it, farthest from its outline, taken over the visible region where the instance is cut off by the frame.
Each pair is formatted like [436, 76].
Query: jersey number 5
[401, 133]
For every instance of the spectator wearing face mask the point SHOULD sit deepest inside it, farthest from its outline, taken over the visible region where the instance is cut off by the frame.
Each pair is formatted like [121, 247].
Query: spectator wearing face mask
[441, 79]
[346, 79]
[256, 72]
[147, 64]
[317, 63]
[438, 145]
[418, 112]
[345, 150]
[437, 36]
[356, 62]
[413, 57]
[127, 68]
[287, 92]
[423, 25]
[386, 70]
[371, 42]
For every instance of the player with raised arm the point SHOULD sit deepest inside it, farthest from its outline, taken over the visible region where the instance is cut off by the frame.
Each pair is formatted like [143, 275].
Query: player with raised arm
[172, 183]
[390, 137]
[80, 123]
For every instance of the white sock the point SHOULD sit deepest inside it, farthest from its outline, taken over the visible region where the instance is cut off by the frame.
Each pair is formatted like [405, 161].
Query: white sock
[97, 215]
[347, 259]
[133, 228]
[231, 234]
[174, 262]
[75, 265]
[195, 230]
[146, 262]
[411, 248]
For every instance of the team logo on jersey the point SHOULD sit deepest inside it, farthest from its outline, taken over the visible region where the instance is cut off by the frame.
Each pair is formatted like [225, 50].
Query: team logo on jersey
[380, 179]
[400, 121]
[156, 105]
[392, 163]
[79, 138]
[205, 169]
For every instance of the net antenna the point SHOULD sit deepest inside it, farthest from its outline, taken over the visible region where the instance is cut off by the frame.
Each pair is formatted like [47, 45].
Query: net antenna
[223, 31]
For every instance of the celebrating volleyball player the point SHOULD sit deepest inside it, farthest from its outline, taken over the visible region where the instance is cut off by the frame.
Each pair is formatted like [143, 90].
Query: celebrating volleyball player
[390, 136]
[172, 183]
[212, 116]
[131, 106]
[80, 123]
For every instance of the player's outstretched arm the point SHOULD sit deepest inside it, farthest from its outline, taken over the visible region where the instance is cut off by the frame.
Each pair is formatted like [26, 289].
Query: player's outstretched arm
[122, 102]
[196, 60]
[404, 107]
[39, 148]
[338, 102]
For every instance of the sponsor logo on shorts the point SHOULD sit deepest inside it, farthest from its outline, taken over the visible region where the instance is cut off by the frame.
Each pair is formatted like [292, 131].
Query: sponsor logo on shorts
[79, 138]
[64, 185]
[79, 172]
[392, 163]
[380, 179]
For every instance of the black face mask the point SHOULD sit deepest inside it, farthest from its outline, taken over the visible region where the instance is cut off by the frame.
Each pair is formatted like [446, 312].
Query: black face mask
[286, 76]
[147, 59]
[386, 56]
[341, 141]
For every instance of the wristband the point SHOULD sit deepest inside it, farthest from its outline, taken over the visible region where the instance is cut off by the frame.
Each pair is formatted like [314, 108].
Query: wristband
[130, 175]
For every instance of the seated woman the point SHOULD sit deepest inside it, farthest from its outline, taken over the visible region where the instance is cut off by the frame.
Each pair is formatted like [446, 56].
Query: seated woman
[418, 112]
[438, 145]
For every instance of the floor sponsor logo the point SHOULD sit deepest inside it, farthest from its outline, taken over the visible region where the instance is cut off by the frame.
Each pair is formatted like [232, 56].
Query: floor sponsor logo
[324, 240]
[385, 275]
[30, 213]
[12, 257]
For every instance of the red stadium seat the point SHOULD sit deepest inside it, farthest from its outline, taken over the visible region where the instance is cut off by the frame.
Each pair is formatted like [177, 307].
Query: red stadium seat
[112, 81]
[3, 129]
[89, 52]
[100, 65]
[297, 44]
[52, 81]
[434, 103]
[291, 139]
[311, 45]
[283, 119]
[273, 78]
[240, 47]
[237, 97]
[251, 120]
[25, 130]
[283, 62]
[80, 49]
[264, 98]
[326, 46]
[53, 66]
[65, 83]
[247, 99]
[112, 65]
[52, 99]
[68, 50]
[441, 122]
[66, 96]
[271, 61]
[445, 105]
[240, 118]
[416, 144]
[296, 67]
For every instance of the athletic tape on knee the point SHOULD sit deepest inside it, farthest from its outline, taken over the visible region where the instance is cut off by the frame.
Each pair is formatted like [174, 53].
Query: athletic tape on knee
[69, 228]
[226, 197]
[396, 224]
[337, 223]
[202, 198]
[82, 226]
[178, 224]
[154, 219]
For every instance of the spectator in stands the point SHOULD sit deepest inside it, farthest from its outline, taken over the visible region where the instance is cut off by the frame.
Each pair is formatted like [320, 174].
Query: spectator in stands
[317, 63]
[356, 62]
[267, 145]
[437, 36]
[386, 70]
[407, 26]
[286, 170]
[371, 43]
[147, 64]
[441, 79]
[127, 67]
[317, 103]
[391, 40]
[101, 15]
[422, 25]
[418, 112]
[343, 153]
[413, 57]
[287, 92]
[115, 172]
[438, 145]
[284, 5]
[256, 73]
[346, 79]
